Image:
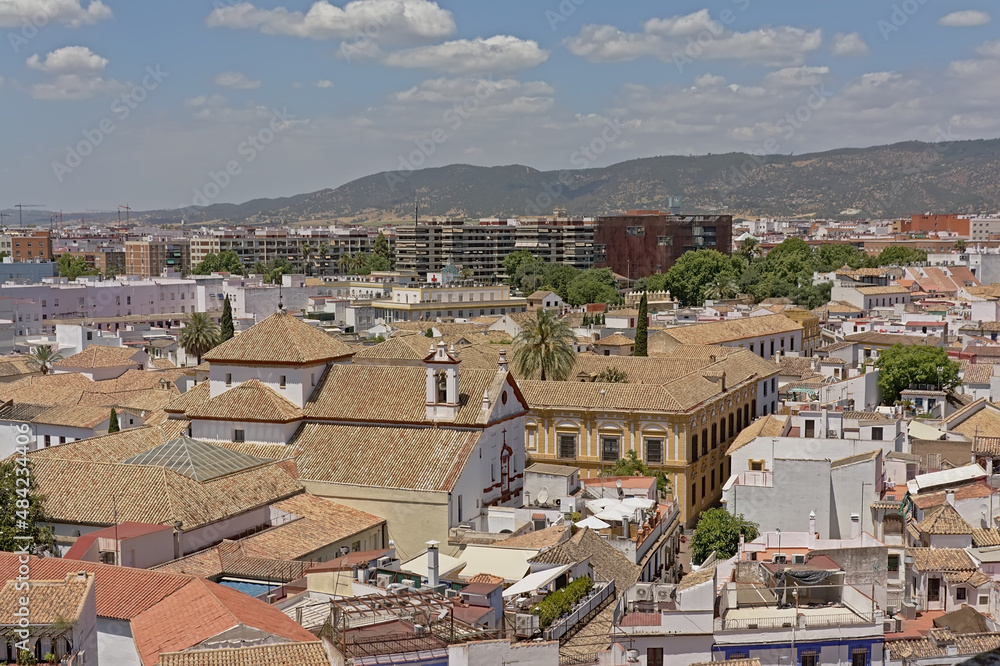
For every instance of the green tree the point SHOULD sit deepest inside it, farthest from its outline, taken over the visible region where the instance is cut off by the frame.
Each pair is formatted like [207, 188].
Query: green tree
[530, 274]
[512, 262]
[899, 255]
[226, 330]
[960, 245]
[199, 336]
[558, 277]
[641, 332]
[612, 375]
[44, 357]
[632, 465]
[749, 249]
[719, 531]
[594, 285]
[113, 422]
[223, 262]
[545, 346]
[273, 269]
[690, 275]
[17, 520]
[901, 366]
[833, 256]
[73, 267]
[381, 249]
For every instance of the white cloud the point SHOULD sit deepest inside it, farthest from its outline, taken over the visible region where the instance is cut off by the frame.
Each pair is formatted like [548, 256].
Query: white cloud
[709, 80]
[500, 53]
[69, 60]
[449, 91]
[236, 80]
[324, 83]
[203, 100]
[989, 49]
[852, 44]
[72, 87]
[13, 13]
[692, 37]
[796, 76]
[968, 18]
[376, 20]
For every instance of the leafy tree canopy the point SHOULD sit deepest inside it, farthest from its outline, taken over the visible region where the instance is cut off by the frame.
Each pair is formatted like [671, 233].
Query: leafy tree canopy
[612, 375]
[594, 285]
[632, 465]
[223, 262]
[901, 366]
[73, 267]
[688, 278]
[719, 531]
[22, 509]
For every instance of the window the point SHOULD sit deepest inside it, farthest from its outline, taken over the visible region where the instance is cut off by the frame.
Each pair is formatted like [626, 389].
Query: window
[282, 382]
[893, 564]
[983, 600]
[567, 446]
[756, 465]
[610, 449]
[694, 494]
[809, 659]
[713, 479]
[877, 434]
[933, 589]
[704, 441]
[355, 546]
[694, 447]
[48, 440]
[654, 450]
[229, 379]
[459, 508]
[703, 487]
[810, 428]
[715, 435]
[530, 435]
[961, 593]
[859, 657]
[239, 436]
[654, 656]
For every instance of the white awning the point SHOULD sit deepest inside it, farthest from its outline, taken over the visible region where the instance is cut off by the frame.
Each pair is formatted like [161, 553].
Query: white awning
[532, 582]
[593, 522]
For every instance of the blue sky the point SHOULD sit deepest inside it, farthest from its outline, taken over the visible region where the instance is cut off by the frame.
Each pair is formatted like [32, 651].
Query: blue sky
[158, 104]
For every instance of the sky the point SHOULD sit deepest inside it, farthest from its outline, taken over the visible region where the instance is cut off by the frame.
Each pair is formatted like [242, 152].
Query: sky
[180, 103]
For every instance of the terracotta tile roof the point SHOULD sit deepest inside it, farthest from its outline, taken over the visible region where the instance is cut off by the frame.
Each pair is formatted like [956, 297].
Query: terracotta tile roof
[112, 448]
[838, 307]
[927, 648]
[390, 457]
[608, 563]
[863, 272]
[280, 339]
[615, 340]
[546, 538]
[890, 339]
[322, 522]
[977, 373]
[250, 401]
[406, 347]
[598, 396]
[74, 416]
[168, 626]
[11, 366]
[988, 536]
[58, 600]
[358, 393]
[858, 458]
[796, 366]
[281, 654]
[941, 559]
[698, 577]
[162, 363]
[196, 395]
[731, 330]
[771, 425]
[973, 578]
[979, 419]
[487, 579]
[100, 356]
[882, 291]
[150, 494]
[122, 592]
[944, 520]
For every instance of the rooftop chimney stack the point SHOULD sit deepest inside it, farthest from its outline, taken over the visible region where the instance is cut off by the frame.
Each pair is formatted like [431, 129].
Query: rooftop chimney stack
[812, 524]
[950, 497]
[502, 364]
[433, 574]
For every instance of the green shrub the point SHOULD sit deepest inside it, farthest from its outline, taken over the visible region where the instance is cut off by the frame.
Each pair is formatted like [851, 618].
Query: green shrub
[560, 602]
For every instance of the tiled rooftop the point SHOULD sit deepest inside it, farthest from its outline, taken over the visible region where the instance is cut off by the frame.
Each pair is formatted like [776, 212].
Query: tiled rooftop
[280, 339]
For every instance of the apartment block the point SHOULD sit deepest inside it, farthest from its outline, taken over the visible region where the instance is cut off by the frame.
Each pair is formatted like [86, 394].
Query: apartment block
[149, 257]
[317, 250]
[643, 242]
[33, 246]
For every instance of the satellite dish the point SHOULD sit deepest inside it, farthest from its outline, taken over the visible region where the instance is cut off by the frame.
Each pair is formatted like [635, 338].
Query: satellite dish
[543, 495]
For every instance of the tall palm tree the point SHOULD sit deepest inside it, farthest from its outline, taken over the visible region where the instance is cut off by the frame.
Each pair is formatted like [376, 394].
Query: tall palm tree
[307, 251]
[200, 335]
[44, 357]
[545, 346]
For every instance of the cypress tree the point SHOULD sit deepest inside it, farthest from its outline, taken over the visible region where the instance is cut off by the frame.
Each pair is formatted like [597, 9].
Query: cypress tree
[640, 328]
[113, 422]
[226, 325]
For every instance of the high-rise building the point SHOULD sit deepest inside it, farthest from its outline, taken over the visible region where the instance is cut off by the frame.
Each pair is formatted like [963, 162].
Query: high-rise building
[149, 257]
[316, 250]
[31, 246]
[643, 242]
[482, 247]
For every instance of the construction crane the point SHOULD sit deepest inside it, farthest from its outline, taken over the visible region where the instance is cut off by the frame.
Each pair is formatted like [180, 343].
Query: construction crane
[127, 209]
[20, 209]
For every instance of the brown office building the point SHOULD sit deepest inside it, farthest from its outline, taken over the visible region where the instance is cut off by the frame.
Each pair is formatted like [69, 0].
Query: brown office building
[642, 242]
[36, 246]
[148, 258]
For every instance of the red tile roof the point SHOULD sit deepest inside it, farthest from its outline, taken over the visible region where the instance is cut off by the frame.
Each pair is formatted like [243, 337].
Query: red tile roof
[280, 339]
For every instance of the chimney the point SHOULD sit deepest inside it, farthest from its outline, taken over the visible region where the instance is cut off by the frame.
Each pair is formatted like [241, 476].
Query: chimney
[502, 363]
[432, 563]
[812, 524]
[486, 400]
[949, 497]
[855, 526]
[178, 550]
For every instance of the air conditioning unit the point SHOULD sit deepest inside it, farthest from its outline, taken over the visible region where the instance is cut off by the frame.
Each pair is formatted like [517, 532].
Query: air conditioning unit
[665, 593]
[643, 592]
[525, 624]
[450, 593]
[383, 562]
[383, 580]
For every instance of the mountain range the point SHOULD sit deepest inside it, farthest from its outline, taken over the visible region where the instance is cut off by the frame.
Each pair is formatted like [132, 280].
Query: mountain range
[880, 181]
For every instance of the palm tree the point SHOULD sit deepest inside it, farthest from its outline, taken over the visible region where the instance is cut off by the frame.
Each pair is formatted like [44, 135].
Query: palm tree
[345, 262]
[307, 250]
[749, 249]
[200, 335]
[324, 251]
[722, 286]
[44, 358]
[545, 346]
